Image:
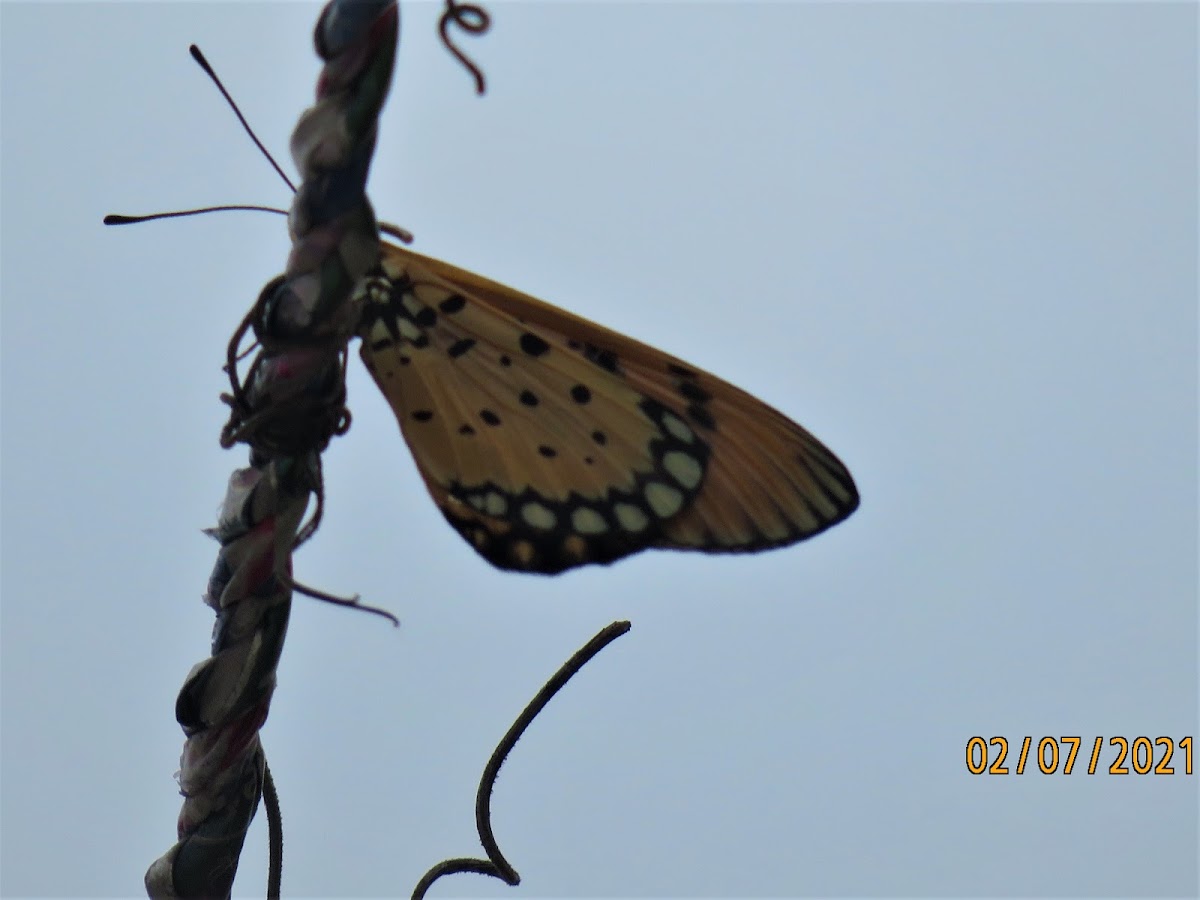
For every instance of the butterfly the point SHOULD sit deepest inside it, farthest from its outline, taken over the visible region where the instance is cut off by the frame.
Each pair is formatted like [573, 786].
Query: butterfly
[549, 442]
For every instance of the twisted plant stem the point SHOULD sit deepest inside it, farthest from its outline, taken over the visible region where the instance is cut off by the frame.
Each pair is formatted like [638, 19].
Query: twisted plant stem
[287, 413]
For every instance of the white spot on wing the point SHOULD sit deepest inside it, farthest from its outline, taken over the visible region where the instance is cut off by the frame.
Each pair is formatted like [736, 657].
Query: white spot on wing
[678, 428]
[683, 467]
[631, 517]
[663, 499]
[538, 516]
[379, 332]
[588, 521]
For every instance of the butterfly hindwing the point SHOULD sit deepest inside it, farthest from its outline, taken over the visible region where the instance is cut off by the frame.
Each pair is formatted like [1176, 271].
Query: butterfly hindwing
[550, 442]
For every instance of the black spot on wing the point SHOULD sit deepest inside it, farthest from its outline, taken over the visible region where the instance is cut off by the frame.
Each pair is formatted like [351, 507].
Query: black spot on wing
[458, 348]
[605, 359]
[693, 392]
[701, 416]
[533, 345]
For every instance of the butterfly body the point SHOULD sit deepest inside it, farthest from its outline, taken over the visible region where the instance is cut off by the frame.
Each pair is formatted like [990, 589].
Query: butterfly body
[549, 442]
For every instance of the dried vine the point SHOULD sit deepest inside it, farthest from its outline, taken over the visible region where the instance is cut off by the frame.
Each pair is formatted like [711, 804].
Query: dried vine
[287, 408]
[496, 866]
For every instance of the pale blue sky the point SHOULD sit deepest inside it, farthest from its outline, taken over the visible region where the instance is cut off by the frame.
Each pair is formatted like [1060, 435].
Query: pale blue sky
[957, 241]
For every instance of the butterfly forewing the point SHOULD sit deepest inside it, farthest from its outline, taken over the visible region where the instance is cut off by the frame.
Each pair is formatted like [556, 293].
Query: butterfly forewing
[550, 442]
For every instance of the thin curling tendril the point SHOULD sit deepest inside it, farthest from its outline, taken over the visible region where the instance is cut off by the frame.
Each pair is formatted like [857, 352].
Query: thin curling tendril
[473, 20]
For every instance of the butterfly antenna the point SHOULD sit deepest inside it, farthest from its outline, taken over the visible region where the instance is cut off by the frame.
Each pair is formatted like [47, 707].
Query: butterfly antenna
[401, 234]
[208, 70]
[115, 219]
[457, 13]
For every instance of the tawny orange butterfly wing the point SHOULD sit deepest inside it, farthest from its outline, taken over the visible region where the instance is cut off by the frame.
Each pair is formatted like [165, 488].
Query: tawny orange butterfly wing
[549, 441]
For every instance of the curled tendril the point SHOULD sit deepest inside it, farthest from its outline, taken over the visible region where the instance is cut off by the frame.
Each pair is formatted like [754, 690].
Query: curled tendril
[496, 865]
[473, 20]
[280, 425]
